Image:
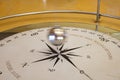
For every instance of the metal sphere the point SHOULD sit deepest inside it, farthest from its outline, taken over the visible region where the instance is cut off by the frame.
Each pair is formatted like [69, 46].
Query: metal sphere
[57, 36]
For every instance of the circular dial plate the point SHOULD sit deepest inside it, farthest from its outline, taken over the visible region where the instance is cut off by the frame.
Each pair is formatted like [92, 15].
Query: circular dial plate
[86, 55]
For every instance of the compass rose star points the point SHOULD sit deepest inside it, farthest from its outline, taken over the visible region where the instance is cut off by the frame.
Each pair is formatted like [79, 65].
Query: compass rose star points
[55, 54]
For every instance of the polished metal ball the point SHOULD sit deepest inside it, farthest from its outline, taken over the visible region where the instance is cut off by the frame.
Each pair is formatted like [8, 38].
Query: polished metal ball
[57, 36]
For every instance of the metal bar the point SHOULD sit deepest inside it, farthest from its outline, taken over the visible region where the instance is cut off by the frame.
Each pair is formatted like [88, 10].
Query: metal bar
[60, 11]
[96, 26]
[98, 11]
[110, 16]
[47, 12]
[98, 15]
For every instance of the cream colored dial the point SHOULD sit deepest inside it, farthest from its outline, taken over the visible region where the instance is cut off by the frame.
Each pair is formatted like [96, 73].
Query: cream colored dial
[86, 55]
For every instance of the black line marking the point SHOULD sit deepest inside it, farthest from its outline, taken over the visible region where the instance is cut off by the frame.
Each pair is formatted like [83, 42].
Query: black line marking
[1, 73]
[73, 55]
[114, 42]
[107, 51]
[67, 29]
[33, 50]
[54, 51]
[66, 50]
[8, 41]
[88, 56]
[92, 33]
[51, 57]
[75, 30]
[118, 46]
[40, 30]
[43, 40]
[16, 37]
[62, 60]
[67, 58]
[25, 64]
[83, 30]
[1, 45]
[24, 34]
[56, 61]
[83, 72]
[61, 47]
[48, 53]
[99, 35]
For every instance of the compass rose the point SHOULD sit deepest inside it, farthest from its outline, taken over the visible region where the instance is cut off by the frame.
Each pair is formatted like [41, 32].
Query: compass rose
[55, 54]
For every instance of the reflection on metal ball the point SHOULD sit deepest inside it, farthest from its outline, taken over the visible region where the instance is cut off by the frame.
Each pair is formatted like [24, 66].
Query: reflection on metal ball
[57, 36]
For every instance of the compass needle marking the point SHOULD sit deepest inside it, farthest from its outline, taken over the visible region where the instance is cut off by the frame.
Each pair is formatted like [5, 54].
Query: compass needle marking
[67, 58]
[66, 50]
[82, 72]
[45, 58]
[52, 58]
[45, 52]
[61, 47]
[73, 55]
[54, 51]
[56, 61]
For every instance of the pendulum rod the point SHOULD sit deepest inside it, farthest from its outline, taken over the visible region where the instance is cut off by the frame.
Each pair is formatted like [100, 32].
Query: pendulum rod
[98, 14]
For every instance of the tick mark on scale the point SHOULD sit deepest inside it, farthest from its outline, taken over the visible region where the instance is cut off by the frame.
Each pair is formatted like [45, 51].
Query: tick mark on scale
[33, 50]
[2, 45]
[15, 37]
[119, 46]
[74, 29]
[25, 64]
[88, 56]
[8, 41]
[0, 72]
[24, 34]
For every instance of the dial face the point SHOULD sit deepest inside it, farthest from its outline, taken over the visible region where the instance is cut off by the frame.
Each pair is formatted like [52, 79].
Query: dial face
[86, 55]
